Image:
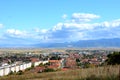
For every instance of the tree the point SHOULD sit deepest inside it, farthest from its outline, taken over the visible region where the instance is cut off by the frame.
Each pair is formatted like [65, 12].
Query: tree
[113, 58]
[49, 70]
[77, 60]
[55, 58]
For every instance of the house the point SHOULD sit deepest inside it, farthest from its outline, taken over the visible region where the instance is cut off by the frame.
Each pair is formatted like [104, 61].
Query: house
[39, 69]
[70, 62]
[34, 60]
[56, 64]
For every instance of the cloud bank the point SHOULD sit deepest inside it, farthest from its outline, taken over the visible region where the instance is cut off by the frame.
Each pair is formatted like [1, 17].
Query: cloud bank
[80, 26]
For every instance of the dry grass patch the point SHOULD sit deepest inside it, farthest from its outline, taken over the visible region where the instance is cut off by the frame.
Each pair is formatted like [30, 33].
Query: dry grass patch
[100, 73]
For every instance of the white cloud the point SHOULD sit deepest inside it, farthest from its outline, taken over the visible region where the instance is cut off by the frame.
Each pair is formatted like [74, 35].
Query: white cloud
[33, 36]
[72, 31]
[114, 23]
[57, 27]
[43, 31]
[83, 17]
[1, 25]
[75, 26]
[16, 33]
[77, 31]
[64, 16]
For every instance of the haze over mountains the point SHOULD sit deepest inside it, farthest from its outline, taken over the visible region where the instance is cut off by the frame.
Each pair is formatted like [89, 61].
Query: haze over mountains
[113, 42]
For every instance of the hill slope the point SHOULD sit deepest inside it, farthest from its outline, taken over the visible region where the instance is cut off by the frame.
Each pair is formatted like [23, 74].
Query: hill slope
[100, 73]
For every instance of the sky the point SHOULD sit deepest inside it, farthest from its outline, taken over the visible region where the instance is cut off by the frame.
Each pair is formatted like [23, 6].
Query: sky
[48, 21]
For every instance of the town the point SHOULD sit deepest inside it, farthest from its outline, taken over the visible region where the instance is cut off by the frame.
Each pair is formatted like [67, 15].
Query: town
[41, 60]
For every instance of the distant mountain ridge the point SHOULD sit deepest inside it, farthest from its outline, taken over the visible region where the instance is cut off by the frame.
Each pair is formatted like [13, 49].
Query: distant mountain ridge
[114, 42]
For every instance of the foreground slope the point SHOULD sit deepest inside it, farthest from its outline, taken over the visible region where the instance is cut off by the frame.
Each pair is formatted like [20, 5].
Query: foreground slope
[100, 73]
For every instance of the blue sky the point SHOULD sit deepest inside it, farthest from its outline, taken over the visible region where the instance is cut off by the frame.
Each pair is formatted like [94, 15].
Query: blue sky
[38, 21]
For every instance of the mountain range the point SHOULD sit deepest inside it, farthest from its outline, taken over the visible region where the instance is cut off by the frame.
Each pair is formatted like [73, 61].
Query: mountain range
[114, 42]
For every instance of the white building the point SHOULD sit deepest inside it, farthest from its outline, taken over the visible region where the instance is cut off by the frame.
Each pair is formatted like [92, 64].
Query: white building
[5, 70]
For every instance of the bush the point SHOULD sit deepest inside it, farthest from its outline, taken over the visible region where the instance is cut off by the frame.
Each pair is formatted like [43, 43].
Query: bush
[11, 72]
[47, 64]
[32, 66]
[28, 69]
[19, 72]
[41, 64]
[49, 70]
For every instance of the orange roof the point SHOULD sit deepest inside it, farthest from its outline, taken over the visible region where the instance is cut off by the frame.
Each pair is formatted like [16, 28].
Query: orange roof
[41, 69]
[64, 69]
[34, 59]
[52, 67]
[54, 60]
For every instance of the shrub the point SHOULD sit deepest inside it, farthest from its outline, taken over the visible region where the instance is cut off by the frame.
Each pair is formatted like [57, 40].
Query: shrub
[32, 66]
[49, 70]
[28, 69]
[41, 64]
[11, 72]
[19, 72]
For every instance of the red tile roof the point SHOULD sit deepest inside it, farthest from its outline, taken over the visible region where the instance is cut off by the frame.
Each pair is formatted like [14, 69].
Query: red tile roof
[54, 61]
[39, 69]
[34, 59]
